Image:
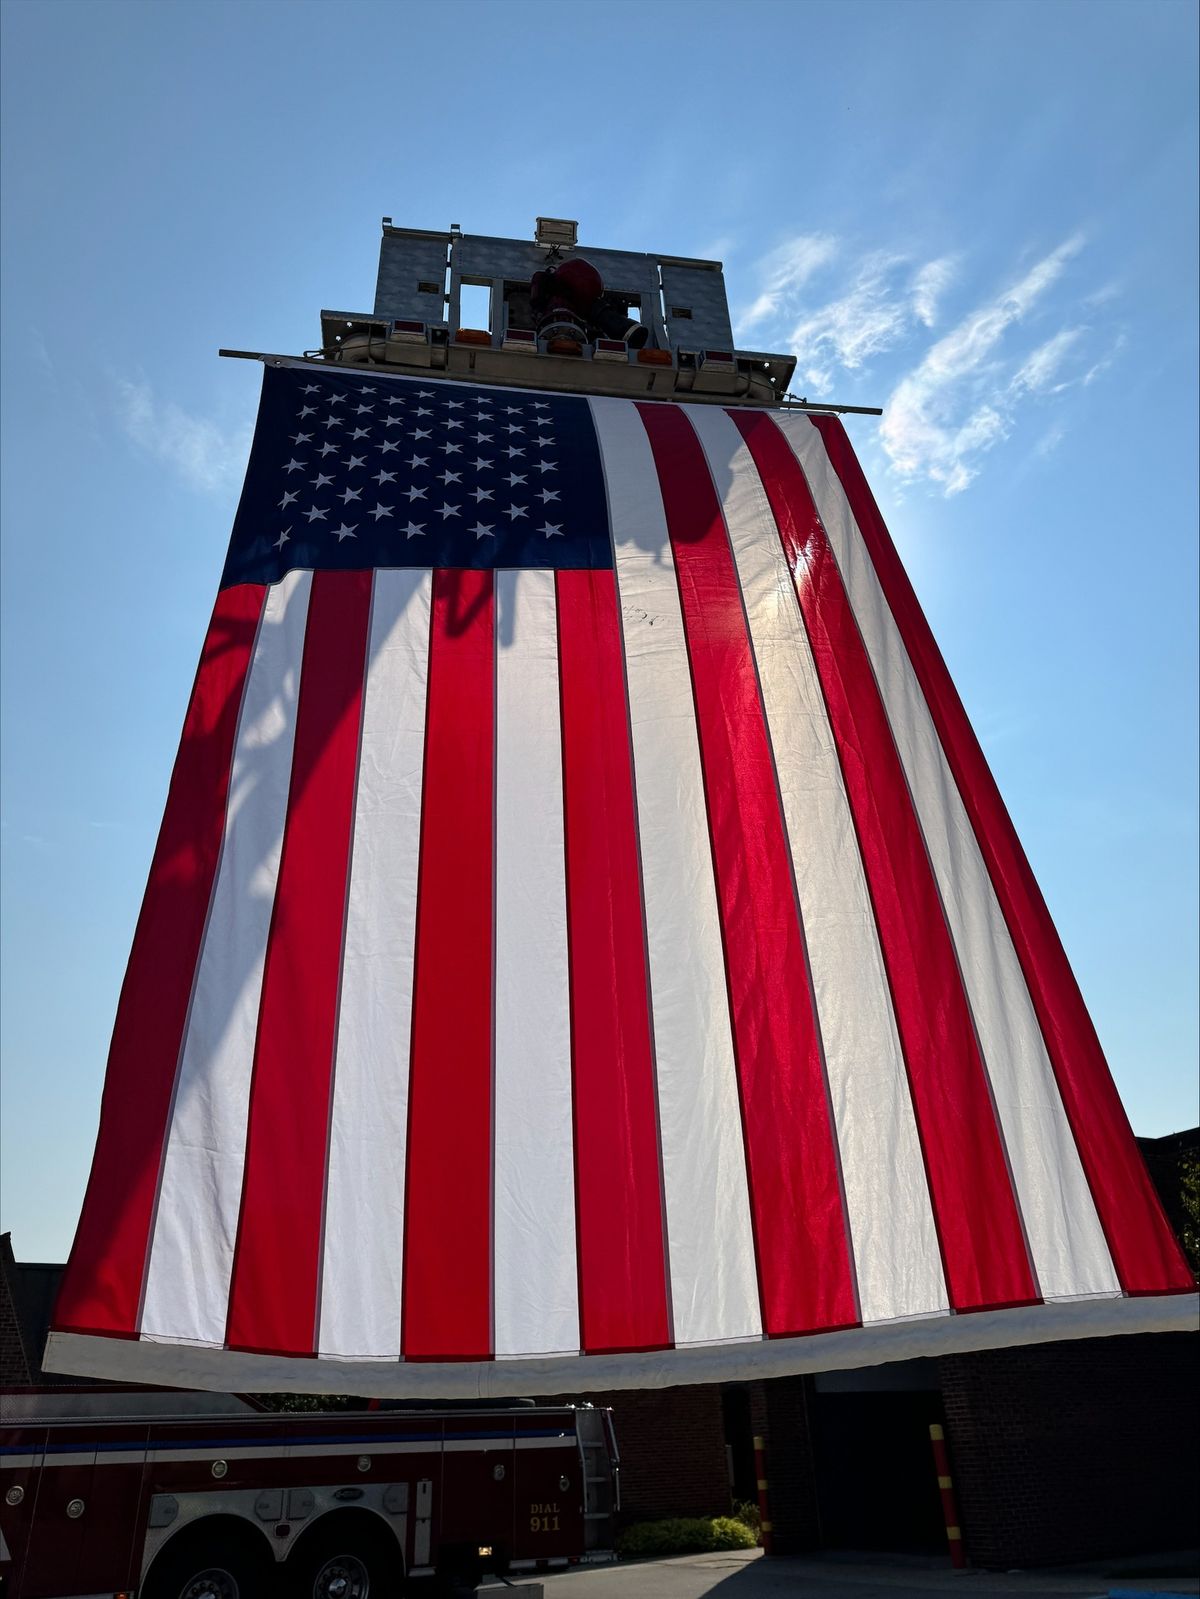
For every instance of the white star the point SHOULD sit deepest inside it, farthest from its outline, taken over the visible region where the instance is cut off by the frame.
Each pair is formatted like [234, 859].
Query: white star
[328, 449]
[513, 428]
[482, 494]
[453, 424]
[552, 530]
[422, 433]
[448, 510]
[418, 460]
[450, 477]
[512, 410]
[336, 399]
[480, 464]
[342, 533]
[422, 410]
[307, 410]
[415, 529]
[384, 477]
[361, 433]
[425, 394]
[389, 446]
[369, 388]
[454, 405]
[514, 478]
[300, 438]
[314, 515]
[451, 449]
[483, 438]
[394, 422]
[294, 466]
[543, 439]
[334, 421]
[483, 530]
[547, 495]
[415, 494]
[350, 494]
[395, 399]
[514, 511]
[287, 499]
[381, 510]
[512, 450]
[356, 460]
[545, 466]
[541, 406]
[362, 408]
[282, 539]
[320, 480]
[311, 388]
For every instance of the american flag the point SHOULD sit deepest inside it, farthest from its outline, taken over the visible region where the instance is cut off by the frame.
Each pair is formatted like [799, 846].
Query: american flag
[585, 944]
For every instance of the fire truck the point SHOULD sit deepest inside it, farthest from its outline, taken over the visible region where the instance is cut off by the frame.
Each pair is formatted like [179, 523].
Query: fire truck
[168, 1495]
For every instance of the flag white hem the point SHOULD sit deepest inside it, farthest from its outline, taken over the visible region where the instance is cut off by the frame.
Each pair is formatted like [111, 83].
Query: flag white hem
[192, 1366]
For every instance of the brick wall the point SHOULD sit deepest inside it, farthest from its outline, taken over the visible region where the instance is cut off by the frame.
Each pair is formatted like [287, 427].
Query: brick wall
[1076, 1450]
[779, 1414]
[672, 1443]
[14, 1367]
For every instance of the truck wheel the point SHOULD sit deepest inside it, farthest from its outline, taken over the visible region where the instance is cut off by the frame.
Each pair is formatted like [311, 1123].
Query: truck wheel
[210, 1568]
[351, 1561]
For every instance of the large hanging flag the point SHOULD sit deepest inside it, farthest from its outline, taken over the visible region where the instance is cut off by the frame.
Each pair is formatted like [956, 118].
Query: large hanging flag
[585, 945]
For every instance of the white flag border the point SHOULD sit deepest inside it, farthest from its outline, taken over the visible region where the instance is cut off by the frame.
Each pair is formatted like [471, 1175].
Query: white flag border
[210, 1367]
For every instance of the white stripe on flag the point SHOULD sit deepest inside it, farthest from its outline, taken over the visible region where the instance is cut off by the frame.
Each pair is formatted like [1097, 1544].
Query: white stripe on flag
[535, 1277]
[364, 1203]
[714, 1287]
[1070, 1256]
[196, 1220]
[896, 1256]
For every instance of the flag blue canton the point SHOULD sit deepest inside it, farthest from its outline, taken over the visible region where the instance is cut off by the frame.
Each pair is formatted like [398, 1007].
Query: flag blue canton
[351, 470]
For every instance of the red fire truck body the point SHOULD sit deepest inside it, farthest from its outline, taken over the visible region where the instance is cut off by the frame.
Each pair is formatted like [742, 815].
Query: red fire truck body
[147, 1503]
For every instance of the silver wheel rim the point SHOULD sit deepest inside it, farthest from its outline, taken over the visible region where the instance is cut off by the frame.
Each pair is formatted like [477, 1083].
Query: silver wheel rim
[214, 1582]
[342, 1577]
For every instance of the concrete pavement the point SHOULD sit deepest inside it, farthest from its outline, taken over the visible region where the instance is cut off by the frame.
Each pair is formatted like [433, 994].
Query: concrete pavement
[745, 1574]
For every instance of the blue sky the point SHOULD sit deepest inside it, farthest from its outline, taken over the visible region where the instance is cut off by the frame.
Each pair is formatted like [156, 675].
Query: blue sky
[981, 217]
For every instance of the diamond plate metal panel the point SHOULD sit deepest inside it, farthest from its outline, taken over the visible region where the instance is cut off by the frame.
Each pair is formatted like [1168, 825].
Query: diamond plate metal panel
[700, 290]
[405, 262]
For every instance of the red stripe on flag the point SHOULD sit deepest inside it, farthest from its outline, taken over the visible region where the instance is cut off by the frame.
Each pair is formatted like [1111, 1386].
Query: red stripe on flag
[979, 1228]
[801, 1238]
[447, 1245]
[103, 1281]
[276, 1266]
[1145, 1251]
[622, 1253]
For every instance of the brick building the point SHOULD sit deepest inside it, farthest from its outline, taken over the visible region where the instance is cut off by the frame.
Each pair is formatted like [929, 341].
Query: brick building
[1060, 1452]
[14, 1361]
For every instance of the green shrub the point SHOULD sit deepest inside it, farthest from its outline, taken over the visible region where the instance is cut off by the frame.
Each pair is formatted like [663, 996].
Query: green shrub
[731, 1532]
[747, 1512]
[683, 1535]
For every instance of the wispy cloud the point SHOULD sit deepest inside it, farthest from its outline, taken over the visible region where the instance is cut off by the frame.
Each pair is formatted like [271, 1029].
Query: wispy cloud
[206, 455]
[1050, 440]
[783, 272]
[929, 283]
[848, 331]
[1039, 370]
[883, 299]
[1105, 361]
[957, 403]
[840, 310]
